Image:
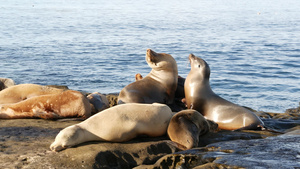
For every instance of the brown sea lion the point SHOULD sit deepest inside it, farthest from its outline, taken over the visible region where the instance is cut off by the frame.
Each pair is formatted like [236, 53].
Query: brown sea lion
[158, 86]
[186, 126]
[22, 92]
[64, 104]
[117, 124]
[179, 93]
[199, 96]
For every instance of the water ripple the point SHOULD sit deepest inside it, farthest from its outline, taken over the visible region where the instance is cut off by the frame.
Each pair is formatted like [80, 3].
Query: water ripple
[96, 46]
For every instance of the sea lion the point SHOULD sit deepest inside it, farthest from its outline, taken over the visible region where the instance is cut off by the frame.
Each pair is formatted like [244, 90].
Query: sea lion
[117, 124]
[98, 102]
[158, 86]
[22, 92]
[64, 104]
[5, 83]
[179, 93]
[199, 96]
[186, 126]
[178, 103]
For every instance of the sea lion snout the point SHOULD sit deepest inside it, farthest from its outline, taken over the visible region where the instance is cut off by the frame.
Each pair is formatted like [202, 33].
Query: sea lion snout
[151, 56]
[192, 56]
[192, 59]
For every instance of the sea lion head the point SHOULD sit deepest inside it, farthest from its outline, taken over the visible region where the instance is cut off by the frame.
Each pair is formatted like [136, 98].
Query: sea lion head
[98, 102]
[199, 65]
[185, 128]
[198, 119]
[160, 61]
[66, 138]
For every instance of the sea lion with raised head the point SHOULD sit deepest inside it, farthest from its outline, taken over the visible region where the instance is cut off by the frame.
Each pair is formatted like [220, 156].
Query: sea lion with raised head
[117, 124]
[186, 126]
[63, 104]
[199, 96]
[158, 86]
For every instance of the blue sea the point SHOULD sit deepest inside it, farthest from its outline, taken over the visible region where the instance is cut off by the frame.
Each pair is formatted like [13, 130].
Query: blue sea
[252, 47]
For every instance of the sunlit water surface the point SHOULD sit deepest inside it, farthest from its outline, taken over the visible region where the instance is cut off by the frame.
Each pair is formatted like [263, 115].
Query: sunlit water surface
[252, 47]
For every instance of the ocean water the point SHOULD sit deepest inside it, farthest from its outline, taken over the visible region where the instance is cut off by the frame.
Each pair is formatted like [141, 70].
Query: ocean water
[252, 47]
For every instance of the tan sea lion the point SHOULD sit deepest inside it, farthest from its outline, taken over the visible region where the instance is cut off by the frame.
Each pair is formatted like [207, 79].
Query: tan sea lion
[98, 102]
[22, 92]
[199, 96]
[158, 86]
[117, 124]
[64, 104]
[186, 126]
[179, 93]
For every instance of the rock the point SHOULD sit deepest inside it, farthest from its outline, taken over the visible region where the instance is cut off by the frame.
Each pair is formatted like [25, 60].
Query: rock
[2, 86]
[273, 152]
[24, 143]
[112, 99]
[5, 83]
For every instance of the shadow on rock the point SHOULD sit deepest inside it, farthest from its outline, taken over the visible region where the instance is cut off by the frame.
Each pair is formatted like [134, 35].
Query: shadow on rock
[114, 159]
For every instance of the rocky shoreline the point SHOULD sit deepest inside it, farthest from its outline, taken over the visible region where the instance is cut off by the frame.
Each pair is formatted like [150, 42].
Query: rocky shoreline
[24, 143]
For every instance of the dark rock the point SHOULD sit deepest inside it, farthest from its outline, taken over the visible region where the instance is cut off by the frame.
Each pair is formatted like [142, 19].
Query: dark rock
[273, 152]
[112, 99]
[2, 86]
[5, 83]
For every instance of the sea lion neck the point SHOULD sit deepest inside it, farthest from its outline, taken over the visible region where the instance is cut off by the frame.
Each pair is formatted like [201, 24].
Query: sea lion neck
[160, 75]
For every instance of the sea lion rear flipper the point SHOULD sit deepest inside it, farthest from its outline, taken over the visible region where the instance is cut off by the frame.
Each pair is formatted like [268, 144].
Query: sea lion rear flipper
[177, 145]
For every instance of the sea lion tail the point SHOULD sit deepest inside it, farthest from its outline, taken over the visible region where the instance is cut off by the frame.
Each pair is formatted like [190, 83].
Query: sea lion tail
[178, 146]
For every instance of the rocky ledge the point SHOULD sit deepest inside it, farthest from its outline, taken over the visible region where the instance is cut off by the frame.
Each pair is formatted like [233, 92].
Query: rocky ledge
[24, 143]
